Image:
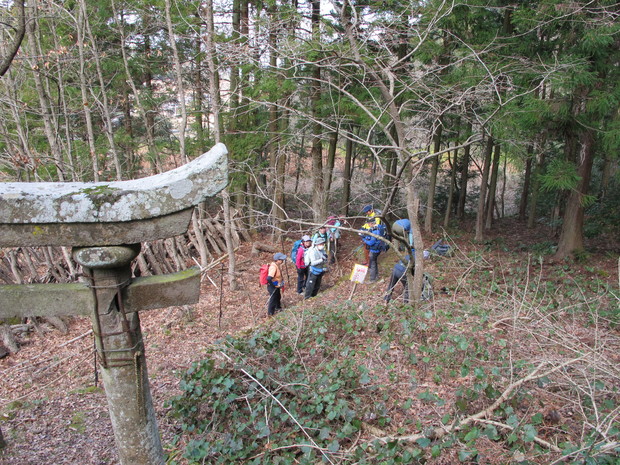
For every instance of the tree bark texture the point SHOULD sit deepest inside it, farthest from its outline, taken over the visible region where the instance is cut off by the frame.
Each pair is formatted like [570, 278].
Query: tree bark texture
[571, 236]
[488, 152]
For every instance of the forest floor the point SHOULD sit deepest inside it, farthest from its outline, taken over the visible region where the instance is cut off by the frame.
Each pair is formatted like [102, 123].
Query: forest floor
[51, 410]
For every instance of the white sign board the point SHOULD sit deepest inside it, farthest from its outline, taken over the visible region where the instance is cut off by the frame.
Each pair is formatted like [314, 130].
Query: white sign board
[359, 273]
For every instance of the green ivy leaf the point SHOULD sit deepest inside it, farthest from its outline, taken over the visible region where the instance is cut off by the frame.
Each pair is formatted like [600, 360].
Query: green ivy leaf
[472, 435]
[424, 442]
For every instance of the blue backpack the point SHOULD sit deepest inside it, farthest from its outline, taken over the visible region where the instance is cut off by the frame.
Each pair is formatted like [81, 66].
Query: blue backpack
[381, 230]
[296, 246]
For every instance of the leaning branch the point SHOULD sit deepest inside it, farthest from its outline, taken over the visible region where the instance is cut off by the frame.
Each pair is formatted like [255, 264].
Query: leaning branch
[20, 32]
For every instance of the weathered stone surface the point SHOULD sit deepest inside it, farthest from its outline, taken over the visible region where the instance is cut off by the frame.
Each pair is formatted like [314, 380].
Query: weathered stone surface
[24, 300]
[145, 293]
[106, 257]
[149, 292]
[95, 234]
[154, 196]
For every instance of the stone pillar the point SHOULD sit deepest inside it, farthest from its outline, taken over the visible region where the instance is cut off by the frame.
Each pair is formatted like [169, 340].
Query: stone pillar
[120, 350]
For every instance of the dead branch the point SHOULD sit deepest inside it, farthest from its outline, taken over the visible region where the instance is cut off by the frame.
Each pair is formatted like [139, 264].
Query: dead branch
[261, 247]
[482, 415]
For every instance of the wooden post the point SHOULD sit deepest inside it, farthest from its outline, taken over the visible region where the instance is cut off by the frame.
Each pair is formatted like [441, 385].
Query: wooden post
[352, 290]
[121, 355]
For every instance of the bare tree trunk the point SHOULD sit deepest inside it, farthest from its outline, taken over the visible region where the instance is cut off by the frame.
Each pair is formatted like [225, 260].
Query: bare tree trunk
[9, 54]
[46, 114]
[346, 188]
[328, 170]
[67, 113]
[430, 203]
[460, 213]
[492, 188]
[8, 339]
[214, 89]
[11, 86]
[488, 151]
[2, 441]
[571, 236]
[610, 167]
[446, 219]
[527, 176]
[215, 96]
[86, 104]
[540, 162]
[318, 191]
[413, 203]
[180, 85]
[145, 115]
[105, 105]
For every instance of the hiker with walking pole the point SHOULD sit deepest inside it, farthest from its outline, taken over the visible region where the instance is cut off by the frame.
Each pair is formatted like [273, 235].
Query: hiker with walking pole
[275, 284]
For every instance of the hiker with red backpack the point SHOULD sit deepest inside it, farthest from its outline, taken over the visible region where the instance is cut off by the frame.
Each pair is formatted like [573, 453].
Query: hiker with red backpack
[275, 283]
[302, 269]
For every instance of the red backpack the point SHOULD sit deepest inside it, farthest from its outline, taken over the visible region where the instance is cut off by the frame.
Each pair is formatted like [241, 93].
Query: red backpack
[262, 274]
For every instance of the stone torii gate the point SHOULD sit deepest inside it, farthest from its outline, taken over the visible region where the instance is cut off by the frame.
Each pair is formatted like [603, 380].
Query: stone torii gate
[105, 223]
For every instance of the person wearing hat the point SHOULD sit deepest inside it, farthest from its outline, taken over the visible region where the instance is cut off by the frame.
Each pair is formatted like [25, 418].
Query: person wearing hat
[275, 283]
[316, 261]
[302, 269]
[372, 221]
[322, 233]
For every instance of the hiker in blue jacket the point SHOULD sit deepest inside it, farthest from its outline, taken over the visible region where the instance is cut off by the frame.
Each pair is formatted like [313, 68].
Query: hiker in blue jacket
[375, 246]
[399, 275]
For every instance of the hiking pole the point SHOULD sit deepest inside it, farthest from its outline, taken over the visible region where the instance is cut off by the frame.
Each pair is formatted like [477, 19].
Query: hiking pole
[288, 278]
[219, 319]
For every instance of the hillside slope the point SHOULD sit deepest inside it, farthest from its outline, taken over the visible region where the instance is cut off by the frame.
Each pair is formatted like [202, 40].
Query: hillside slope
[501, 315]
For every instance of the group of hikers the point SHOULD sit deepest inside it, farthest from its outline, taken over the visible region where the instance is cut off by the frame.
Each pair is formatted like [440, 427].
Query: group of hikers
[312, 256]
